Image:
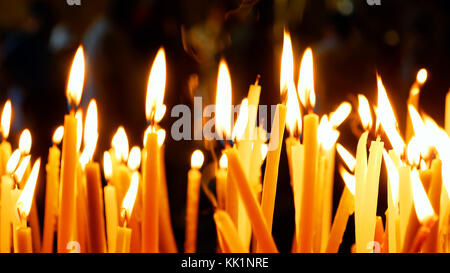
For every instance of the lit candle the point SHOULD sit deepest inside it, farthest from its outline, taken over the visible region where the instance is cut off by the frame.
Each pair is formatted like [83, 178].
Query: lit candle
[310, 143]
[193, 196]
[5, 146]
[393, 210]
[111, 213]
[221, 181]
[155, 110]
[22, 235]
[134, 161]
[6, 188]
[121, 174]
[431, 243]
[51, 191]
[66, 219]
[345, 208]
[413, 99]
[123, 232]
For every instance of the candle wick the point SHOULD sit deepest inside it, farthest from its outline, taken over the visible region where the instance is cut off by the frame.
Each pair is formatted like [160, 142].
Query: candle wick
[257, 79]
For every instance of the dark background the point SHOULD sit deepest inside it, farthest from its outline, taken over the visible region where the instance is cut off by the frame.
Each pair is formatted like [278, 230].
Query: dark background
[351, 40]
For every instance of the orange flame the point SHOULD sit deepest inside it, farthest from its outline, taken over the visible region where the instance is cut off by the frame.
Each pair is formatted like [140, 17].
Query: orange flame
[197, 159]
[76, 78]
[25, 142]
[347, 157]
[306, 80]
[223, 102]
[26, 197]
[349, 179]
[6, 119]
[154, 107]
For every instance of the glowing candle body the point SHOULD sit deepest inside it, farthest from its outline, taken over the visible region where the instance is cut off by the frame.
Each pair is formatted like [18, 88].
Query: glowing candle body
[431, 243]
[273, 159]
[112, 216]
[345, 209]
[297, 157]
[5, 221]
[66, 219]
[405, 200]
[95, 211]
[259, 226]
[311, 123]
[221, 186]
[51, 198]
[121, 180]
[5, 153]
[193, 196]
[227, 233]
[360, 182]
[447, 113]
[150, 189]
[123, 240]
[22, 240]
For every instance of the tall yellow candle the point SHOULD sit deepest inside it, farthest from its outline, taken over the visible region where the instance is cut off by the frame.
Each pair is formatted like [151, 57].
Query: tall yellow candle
[111, 212]
[5, 146]
[297, 157]
[227, 233]
[154, 112]
[66, 219]
[193, 196]
[22, 235]
[221, 181]
[393, 210]
[413, 99]
[124, 233]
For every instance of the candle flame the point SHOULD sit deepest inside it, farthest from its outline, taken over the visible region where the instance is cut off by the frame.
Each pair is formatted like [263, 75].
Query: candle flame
[348, 178]
[26, 197]
[326, 135]
[364, 112]
[347, 157]
[423, 135]
[107, 165]
[306, 80]
[20, 171]
[25, 142]
[58, 135]
[76, 78]
[386, 116]
[223, 162]
[422, 76]
[90, 130]
[197, 159]
[154, 107]
[393, 177]
[134, 159]
[130, 197]
[13, 161]
[241, 122]
[287, 64]
[120, 144]
[223, 102]
[264, 150]
[161, 133]
[79, 117]
[293, 113]
[341, 114]
[422, 204]
[6, 119]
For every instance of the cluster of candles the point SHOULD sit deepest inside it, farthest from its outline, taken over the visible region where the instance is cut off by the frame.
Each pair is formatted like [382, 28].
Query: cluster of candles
[131, 213]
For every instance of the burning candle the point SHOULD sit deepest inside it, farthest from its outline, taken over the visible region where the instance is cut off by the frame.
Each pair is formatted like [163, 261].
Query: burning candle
[121, 174]
[51, 191]
[5, 146]
[221, 181]
[123, 232]
[413, 99]
[22, 235]
[193, 197]
[111, 213]
[66, 219]
[155, 110]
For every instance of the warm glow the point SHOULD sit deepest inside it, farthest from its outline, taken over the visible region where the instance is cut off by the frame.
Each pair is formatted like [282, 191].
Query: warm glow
[13, 161]
[326, 135]
[417, 122]
[130, 196]
[154, 106]
[241, 122]
[264, 150]
[293, 113]
[25, 142]
[413, 152]
[393, 176]
[223, 102]
[107, 165]
[223, 162]
[76, 78]
[161, 134]
[386, 116]
[26, 197]
[422, 76]
[349, 179]
[424, 136]
[364, 112]
[134, 160]
[120, 144]
[6, 119]
[306, 80]
[79, 117]
[58, 135]
[347, 157]
[341, 113]
[287, 64]
[91, 130]
[422, 205]
[197, 159]
[20, 171]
